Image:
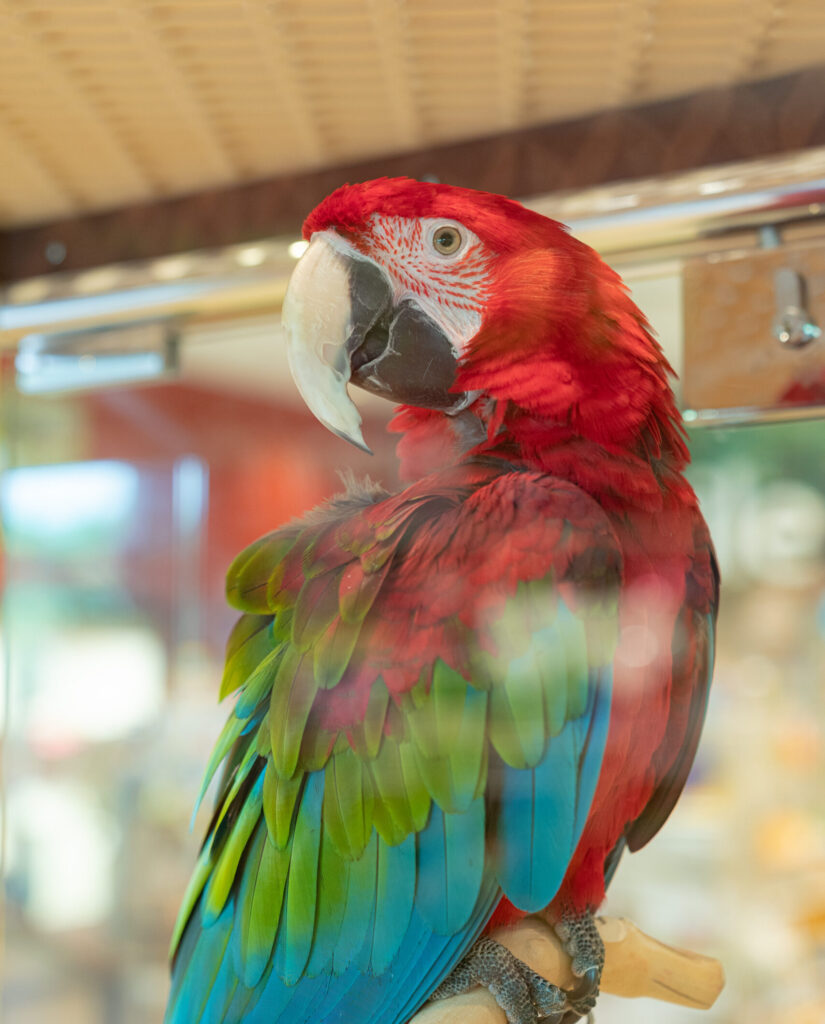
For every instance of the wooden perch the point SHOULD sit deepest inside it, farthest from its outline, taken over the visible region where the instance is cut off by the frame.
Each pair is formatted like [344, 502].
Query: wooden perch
[635, 965]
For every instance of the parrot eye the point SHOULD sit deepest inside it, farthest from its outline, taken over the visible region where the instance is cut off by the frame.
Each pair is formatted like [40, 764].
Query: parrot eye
[447, 240]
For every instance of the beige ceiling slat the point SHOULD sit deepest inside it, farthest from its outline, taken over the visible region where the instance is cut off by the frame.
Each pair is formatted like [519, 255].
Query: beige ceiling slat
[364, 81]
[443, 15]
[549, 61]
[476, 78]
[456, 39]
[463, 8]
[513, 60]
[187, 13]
[786, 59]
[635, 35]
[703, 17]
[799, 36]
[29, 187]
[571, 41]
[448, 64]
[321, 17]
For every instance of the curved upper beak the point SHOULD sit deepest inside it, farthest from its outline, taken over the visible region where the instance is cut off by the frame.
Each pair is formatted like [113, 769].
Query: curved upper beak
[343, 325]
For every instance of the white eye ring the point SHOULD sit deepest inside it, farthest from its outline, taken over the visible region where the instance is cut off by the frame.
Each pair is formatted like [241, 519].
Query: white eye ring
[447, 239]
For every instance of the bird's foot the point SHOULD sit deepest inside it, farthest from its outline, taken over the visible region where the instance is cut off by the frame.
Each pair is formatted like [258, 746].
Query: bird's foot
[525, 996]
[583, 944]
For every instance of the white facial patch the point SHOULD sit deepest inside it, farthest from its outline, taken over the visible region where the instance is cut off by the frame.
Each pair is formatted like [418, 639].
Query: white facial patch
[450, 288]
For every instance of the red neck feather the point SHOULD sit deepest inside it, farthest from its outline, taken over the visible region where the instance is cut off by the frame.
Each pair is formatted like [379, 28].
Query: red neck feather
[571, 381]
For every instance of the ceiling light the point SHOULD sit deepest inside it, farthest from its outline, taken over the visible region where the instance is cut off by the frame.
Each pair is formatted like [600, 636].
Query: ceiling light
[101, 279]
[625, 202]
[172, 268]
[712, 188]
[251, 256]
[36, 289]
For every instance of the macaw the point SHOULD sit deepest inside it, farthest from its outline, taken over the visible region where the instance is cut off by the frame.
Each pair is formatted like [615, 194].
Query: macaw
[457, 703]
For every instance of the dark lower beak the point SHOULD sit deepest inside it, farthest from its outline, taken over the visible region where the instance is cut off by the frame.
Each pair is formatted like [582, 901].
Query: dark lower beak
[406, 357]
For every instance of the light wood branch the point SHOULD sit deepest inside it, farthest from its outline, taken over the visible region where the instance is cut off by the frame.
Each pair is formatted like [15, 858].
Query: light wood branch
[635, 965]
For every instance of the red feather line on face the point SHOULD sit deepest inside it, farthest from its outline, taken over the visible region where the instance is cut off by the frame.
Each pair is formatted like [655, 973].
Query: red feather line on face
[398, 243]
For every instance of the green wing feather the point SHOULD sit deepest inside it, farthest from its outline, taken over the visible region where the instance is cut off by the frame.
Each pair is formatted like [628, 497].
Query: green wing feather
[302, 883]
[260, 899]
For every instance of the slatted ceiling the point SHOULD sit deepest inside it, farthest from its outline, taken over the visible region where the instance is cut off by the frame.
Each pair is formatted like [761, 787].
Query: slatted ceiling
[24, 174]
[798, 36]
[108, 102]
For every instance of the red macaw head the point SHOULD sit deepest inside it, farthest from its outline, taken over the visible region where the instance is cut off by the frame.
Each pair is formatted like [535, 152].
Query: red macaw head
[436, 296]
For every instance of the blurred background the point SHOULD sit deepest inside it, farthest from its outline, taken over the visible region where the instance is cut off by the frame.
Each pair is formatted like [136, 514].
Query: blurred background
[157, 161]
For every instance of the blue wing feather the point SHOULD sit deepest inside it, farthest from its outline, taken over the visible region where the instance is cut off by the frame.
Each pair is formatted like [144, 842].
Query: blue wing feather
[395, 893]
[592, 730]
[542, 810]
[202, 949]
[360, 905]
[450, 867]
[223, 989]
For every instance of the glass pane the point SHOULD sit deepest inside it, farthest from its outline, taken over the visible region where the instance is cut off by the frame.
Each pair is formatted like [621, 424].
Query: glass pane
[122, 510]
[738, 871]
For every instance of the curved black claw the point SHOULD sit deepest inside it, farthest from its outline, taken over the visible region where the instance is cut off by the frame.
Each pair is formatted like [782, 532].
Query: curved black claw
[582, 999]
[525, 996]
[585, 947]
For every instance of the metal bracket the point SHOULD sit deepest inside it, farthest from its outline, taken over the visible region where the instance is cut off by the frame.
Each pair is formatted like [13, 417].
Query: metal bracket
[794, 325]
